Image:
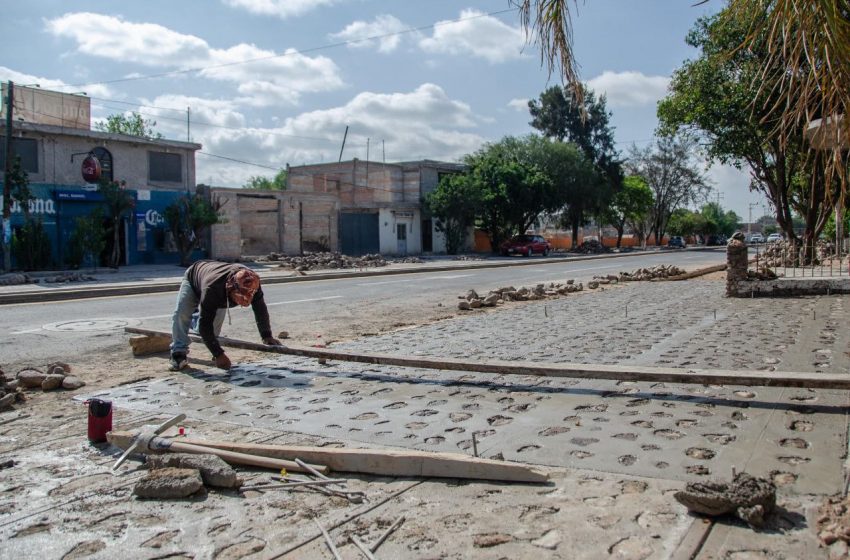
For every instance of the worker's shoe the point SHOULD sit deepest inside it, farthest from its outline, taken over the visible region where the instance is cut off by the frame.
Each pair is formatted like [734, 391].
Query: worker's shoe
[178, 361]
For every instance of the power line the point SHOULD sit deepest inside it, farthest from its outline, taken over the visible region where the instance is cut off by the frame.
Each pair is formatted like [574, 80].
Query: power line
[291, 52]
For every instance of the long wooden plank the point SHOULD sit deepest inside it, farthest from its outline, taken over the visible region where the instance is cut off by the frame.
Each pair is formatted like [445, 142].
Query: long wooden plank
[384, 462]
[577, 371]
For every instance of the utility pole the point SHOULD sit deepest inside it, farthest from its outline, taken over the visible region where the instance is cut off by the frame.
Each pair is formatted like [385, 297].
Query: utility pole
[750, 222]
[344, 136]
[6, 229]
[188, 113]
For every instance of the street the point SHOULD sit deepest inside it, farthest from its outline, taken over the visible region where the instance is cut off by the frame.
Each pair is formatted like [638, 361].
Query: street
[48, 331]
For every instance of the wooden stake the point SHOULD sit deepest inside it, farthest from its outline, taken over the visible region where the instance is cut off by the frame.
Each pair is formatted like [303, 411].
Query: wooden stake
[328, 540]
[359, 544]
[396, 524]
[577, 371]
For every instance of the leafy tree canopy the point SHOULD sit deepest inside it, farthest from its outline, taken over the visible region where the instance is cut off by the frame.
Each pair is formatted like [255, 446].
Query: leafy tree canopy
[129, 123]
[276, 183]
[454, 203]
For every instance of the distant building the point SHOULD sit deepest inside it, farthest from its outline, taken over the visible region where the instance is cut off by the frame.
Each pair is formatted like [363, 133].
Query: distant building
[354, 207]
[155, 172]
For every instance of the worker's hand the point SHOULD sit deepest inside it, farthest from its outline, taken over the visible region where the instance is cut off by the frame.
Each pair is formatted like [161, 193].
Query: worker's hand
[272, 341]
[222, 361]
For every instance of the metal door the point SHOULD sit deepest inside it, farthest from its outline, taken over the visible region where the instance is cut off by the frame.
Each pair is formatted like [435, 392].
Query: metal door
[401, 236]
[359, 234]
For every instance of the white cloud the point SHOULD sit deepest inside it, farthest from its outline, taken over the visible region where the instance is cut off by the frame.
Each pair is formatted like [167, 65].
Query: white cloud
[477, 35]
[280, 8]
[270, 79]
[19, 78]
[630, 89]
[382, 27]
[423, 123]
[518, 104]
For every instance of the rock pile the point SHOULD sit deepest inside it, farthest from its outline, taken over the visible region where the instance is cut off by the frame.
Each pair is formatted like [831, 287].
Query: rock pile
[13, 279]
[590, 247]
[471, 300]
[9, 393]
[64, 278]
[56, 376]
[833, 525]
[179, 475]
[787, 253]
[651, 273]
[403, 260]
[468, 258]
[314, 261]
[747, 497]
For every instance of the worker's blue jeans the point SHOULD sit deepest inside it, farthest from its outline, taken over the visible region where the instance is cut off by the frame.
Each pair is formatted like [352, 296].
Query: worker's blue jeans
[181, 321]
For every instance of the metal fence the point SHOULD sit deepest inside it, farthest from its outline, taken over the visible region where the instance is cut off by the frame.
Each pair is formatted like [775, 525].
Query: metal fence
[791, 259]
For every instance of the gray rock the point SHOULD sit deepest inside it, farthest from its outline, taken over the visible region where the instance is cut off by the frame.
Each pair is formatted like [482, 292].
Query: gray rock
[471, 295]
[31, 378]
[52, 381]
[475, 304]
[169, 483]
[214, 471]
[593, 284]
[7, 401]
[71, 383]
[12, 386]
[491, 300]
[463, 305]
[66, 369]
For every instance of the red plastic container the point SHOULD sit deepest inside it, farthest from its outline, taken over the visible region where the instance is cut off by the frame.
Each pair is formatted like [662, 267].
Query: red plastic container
[100, 419]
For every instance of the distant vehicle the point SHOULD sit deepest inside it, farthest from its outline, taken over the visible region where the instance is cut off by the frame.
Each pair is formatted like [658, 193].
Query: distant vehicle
[756, 238]
[716, 239]
[526, 245]
[677, 241]
[774, 238]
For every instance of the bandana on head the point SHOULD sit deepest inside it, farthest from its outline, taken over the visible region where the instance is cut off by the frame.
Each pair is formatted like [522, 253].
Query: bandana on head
[242, 286]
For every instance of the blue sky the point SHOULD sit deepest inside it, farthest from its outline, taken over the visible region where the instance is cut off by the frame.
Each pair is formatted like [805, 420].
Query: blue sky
[445, 76]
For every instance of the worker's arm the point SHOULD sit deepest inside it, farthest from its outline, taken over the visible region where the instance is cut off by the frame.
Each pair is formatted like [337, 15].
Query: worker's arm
[261, 315]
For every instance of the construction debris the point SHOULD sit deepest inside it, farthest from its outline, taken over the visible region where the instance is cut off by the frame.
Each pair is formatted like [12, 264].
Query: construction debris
[9, 392]
[214, 471]
[747, 497]
[13, 279]
[169, 483]
[833, 525]
[64, 278]
[55, 376]
[590, 247]
[471, 300]
[646, 274]
[314, 261]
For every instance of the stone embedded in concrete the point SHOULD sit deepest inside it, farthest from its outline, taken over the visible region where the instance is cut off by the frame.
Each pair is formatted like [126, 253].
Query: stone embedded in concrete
[52, 382]
[169, 483]
[214, 471]
[31, 378]
[7, 401]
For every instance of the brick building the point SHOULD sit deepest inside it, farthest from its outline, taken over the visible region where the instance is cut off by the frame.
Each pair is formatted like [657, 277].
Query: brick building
[354, 207]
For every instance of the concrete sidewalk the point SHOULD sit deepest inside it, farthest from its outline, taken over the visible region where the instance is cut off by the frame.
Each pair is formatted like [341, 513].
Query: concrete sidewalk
[141, 279]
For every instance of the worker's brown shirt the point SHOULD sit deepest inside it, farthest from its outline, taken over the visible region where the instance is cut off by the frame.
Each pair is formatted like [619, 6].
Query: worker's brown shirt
[208, 280]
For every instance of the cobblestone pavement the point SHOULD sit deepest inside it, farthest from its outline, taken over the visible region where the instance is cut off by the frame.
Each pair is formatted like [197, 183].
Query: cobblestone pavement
[627, 445]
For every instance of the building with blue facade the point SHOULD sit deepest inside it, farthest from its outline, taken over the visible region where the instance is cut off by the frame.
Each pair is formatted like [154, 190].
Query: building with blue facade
[155, 173]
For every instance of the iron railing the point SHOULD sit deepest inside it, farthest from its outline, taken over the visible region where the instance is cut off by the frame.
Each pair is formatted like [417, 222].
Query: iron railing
[792, 259]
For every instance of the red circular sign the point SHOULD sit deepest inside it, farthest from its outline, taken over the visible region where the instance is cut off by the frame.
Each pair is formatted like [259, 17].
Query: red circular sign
[91, 169]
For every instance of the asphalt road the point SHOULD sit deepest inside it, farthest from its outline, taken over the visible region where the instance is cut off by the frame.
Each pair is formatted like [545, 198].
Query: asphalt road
[40, 332]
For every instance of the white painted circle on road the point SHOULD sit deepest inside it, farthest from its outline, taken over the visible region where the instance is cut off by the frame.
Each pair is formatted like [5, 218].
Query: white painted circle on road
[85, 325]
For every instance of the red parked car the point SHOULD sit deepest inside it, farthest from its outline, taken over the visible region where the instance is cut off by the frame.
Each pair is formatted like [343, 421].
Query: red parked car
[526, 245]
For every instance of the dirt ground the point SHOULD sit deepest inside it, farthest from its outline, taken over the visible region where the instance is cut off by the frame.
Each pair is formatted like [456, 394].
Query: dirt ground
[59, 500]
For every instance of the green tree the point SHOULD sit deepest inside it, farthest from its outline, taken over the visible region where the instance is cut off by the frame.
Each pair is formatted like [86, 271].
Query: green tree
[670, 169]
[686, 223]
[129, 123]
[631, 204]
[118, 203]
[188, 218]
[276, 183]
[725, 222]
[29, 244]
[713, 96]
[513, 190]
[454, 203]
[88, 240]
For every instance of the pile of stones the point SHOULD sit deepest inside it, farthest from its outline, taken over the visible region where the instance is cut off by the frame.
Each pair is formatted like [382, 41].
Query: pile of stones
[471, 300]
[9, 393]
[64, 278]
[13, 279]
[56, 375]
[590, 247]
[314, 261]
[180, 475]
[403, 260]
[468, 258]
[651, 273]
[833, 525]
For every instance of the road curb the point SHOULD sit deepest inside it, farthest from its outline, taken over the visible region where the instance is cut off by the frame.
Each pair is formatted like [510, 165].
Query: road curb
[63, 294]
